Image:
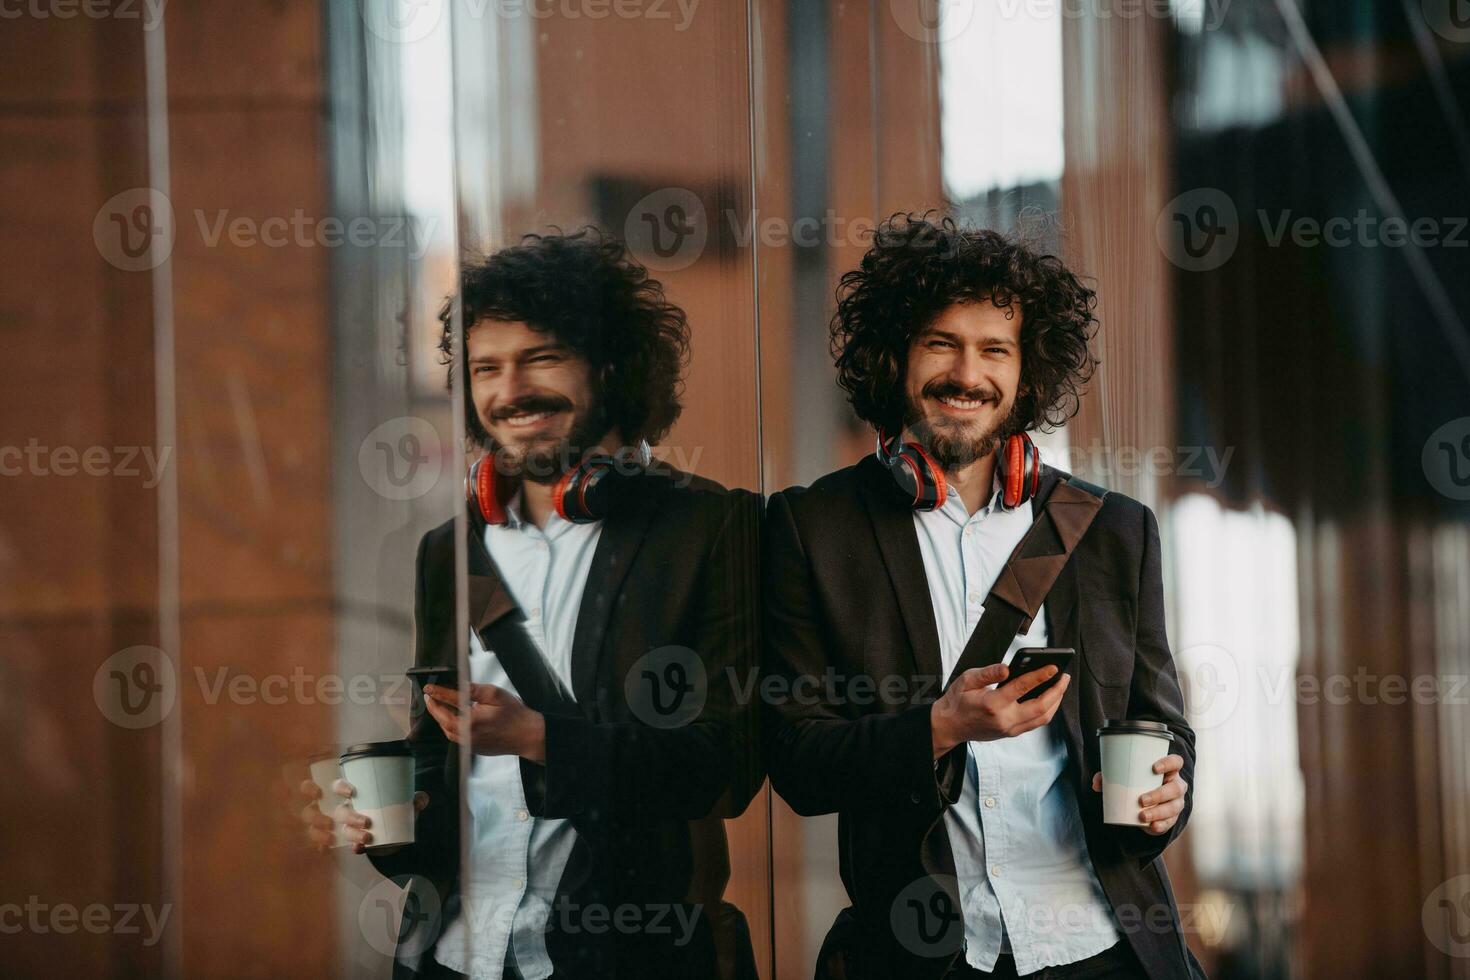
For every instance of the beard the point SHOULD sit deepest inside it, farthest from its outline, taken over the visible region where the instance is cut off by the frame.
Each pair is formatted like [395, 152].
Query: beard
[954, 443]
[545, 458]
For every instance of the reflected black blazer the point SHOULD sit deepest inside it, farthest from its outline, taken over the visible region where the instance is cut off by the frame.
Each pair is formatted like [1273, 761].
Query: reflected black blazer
[675, 566]
[845, 589]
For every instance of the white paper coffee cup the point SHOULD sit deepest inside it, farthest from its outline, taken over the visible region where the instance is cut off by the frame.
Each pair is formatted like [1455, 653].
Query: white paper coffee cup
[1129, 751]
[326, 769]
[382, 775]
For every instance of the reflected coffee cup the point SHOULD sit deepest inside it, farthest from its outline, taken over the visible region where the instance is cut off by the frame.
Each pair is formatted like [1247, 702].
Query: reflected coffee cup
[326, 769]
[382, 775]
[1129, 751]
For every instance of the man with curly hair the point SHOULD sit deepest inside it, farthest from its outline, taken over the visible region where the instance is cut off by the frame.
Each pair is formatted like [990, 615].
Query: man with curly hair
[587, 789]
[972, 841]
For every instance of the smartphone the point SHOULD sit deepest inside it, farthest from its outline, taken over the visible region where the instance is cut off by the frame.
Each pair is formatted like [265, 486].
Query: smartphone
[438, 676]
[1034, 658]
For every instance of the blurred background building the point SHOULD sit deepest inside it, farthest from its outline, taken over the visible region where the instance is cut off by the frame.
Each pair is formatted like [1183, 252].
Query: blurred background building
[227, 228]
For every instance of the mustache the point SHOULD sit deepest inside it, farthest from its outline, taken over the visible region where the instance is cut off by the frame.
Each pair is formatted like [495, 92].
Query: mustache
[952, 389]
[531, 404]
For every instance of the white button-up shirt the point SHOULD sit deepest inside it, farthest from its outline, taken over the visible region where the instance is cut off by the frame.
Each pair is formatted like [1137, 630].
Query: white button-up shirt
[517, 860]
[1027, 885]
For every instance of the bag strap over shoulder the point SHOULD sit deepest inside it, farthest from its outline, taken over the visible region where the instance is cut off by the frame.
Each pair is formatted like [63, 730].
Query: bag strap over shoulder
[1029, 574]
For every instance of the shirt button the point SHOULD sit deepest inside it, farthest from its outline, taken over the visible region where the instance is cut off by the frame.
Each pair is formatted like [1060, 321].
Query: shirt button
[990, 802]
[974, 597]
[535, 612]
[523, 815]
[995, 871]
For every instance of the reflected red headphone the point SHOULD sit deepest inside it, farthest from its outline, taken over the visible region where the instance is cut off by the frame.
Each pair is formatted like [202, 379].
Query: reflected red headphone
[921, 478]
[581, 495]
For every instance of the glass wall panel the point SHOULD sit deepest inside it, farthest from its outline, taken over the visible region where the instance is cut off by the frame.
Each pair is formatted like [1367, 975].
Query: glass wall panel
[361, 336]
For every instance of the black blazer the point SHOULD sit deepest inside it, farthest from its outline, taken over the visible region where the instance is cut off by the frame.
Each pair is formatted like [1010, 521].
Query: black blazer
[845, 589]
[675, 566]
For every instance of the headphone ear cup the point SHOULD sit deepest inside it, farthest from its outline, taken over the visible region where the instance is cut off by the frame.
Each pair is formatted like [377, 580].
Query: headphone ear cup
[482, 496]
[921, 476]
[1035, 467]
[584, 493]
[1014, 461]
[1021, 461]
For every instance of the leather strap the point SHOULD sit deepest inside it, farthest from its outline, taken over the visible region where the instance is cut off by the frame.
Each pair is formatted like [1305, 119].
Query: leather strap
[1030, 572]
[506, 638]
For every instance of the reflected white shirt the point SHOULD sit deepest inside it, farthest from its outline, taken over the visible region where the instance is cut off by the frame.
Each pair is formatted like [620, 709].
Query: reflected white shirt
[1027, 885]
[516, 860]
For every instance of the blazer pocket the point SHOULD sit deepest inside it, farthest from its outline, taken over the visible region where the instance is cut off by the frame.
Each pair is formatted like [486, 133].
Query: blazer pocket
[1107, 639]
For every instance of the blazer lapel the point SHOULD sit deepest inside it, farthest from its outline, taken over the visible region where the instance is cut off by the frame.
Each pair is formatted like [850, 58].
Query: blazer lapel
[893, 526]
[622, 533]
[489, 599]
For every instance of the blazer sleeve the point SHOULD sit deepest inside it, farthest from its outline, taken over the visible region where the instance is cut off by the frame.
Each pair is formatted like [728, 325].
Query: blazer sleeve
[684, 771]
[1155, 694]
[819, 760]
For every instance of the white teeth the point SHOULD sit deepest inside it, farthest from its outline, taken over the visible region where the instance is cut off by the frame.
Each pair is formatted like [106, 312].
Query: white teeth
[962, 403]
[523, 420]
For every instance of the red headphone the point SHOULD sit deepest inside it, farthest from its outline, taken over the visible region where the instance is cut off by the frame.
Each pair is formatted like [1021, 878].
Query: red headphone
[921, 477]
[581, 495]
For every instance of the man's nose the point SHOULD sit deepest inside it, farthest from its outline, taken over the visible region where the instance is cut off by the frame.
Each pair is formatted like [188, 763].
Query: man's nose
[968, 370]
[514, 384]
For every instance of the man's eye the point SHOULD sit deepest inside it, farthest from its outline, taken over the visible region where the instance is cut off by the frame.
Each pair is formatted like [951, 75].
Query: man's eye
[545, 359]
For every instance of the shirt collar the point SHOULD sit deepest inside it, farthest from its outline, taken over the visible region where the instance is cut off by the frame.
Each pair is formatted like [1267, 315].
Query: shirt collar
[555, 523]
[954, 507]
[513, 519]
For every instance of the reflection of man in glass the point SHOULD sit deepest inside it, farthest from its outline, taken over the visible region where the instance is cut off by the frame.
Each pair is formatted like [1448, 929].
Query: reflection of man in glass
[972, 835]
[608, 599]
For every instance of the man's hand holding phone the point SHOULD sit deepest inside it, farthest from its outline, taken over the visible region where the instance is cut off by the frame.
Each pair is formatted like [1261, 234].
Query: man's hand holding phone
[970, 710]
[499, 723]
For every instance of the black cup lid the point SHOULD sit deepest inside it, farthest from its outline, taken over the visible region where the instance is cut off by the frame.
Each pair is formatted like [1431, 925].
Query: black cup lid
[363, 749]
[1120, 727]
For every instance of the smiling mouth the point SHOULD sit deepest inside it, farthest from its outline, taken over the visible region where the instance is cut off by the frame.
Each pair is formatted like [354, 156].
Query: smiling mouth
[527, 420]
[963, 404]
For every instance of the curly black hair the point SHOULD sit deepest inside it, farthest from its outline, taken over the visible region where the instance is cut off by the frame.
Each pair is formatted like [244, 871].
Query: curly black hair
[916, 268]
[585, 290]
